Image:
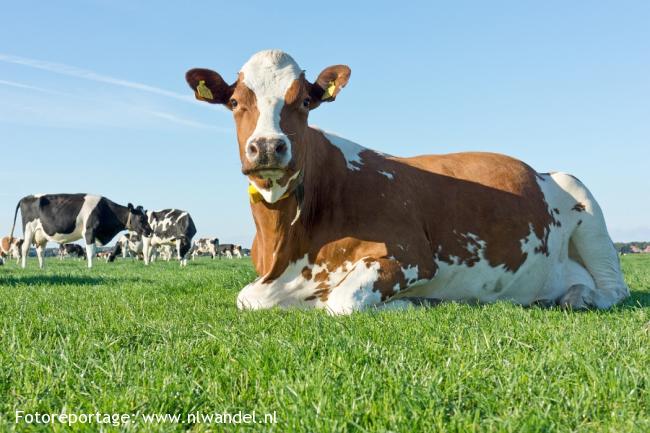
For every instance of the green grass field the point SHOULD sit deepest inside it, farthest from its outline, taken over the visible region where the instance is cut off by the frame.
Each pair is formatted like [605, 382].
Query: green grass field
[126, 339]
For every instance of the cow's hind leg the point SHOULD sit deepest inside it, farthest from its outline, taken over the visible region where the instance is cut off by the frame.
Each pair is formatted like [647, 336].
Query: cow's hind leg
[592, 252]
[40, 248]
[581, 287]
[183, 248]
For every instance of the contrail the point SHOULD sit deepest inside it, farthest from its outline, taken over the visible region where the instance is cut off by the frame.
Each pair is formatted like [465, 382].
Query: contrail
[30, 87]
[72, 71]
[176, 119]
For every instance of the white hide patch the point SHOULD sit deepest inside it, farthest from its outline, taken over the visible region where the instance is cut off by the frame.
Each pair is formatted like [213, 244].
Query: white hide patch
[269, 74]
[351, 287]
[351, 151]
[273, 194]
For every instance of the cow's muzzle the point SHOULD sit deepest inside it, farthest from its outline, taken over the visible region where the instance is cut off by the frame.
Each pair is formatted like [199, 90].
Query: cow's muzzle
[267, 153]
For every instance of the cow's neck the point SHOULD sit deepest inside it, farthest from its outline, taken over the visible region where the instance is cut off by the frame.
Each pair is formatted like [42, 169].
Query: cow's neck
[282, 238]
[122, 213]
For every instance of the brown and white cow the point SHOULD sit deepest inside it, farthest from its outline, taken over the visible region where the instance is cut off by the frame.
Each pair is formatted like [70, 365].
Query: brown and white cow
[344, 228]
[10, 249]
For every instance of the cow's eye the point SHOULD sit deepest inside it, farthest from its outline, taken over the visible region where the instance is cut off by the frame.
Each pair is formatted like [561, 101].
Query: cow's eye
[306, 102]
[233, 103]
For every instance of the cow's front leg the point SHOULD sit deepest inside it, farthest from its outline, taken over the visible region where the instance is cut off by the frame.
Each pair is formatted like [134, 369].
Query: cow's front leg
[146, 250]
[90, 248]
[372, 284]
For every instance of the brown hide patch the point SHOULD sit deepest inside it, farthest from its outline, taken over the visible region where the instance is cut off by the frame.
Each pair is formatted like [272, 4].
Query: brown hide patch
[492, 196]
[293, 123]
[390, 275]
[246, 115]
[579, 207]
[306, 273]
[444, 207]
[322, 289]
[5, 244]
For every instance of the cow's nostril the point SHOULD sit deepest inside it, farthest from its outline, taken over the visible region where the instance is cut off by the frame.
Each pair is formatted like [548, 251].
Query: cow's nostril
[252, 149]
[281, 148]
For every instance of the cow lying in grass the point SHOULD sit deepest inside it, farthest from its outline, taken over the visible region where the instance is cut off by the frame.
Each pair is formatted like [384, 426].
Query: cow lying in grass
[342, 227]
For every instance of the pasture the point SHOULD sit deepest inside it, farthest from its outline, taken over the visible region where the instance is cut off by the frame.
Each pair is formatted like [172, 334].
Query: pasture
[122, 338]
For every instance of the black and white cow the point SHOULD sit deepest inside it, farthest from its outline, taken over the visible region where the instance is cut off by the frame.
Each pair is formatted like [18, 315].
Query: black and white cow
[71, 250]
[170, 227]
[206, 246]
[127, 244]
[230, 251]
[163, 252]
[69, 217]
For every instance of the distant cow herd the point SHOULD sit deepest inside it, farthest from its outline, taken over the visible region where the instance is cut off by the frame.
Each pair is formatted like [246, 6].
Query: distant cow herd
[66, 218]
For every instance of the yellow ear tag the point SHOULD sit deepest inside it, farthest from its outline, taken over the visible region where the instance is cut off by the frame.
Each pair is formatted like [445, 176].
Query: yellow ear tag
[329, 92]
[254, 194]
[203, 90]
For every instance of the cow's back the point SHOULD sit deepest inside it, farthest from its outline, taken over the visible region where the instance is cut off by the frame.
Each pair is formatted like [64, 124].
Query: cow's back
[490, 170]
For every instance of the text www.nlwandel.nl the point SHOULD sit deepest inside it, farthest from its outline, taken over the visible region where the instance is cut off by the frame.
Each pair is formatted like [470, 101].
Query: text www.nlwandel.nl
[120, 419]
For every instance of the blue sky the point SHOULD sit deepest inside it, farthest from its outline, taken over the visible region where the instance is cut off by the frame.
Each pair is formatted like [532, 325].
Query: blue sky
[93, 96]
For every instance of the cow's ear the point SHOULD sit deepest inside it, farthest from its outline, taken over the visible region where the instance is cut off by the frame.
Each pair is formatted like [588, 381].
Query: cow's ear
[329, 83]
[130, 206]
[208, 86]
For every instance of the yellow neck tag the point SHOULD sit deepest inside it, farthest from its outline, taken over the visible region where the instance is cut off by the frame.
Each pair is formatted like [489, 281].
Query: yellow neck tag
[203, 90]
[254, 194]
[329, 92]
[256, 197]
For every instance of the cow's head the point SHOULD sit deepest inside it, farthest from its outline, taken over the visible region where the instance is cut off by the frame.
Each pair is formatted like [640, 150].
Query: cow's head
[138, 221]
[270, 101]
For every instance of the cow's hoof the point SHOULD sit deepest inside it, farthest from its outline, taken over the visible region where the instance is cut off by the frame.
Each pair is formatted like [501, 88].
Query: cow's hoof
[578, 297]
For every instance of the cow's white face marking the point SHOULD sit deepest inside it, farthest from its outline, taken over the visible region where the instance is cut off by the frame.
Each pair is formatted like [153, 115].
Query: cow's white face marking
[269, 74]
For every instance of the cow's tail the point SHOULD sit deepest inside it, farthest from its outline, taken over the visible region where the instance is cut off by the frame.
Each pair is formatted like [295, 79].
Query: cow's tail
[13, 226]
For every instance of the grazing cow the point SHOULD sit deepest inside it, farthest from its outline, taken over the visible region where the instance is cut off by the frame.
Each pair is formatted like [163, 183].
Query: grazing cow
[170, 227]
[230, 251]
[206, 246]
[342, 227]
[128, 243]
[69, 217]
[226, 250]
[106, 254]
[164, 252]
[10, 248]
[71, 250]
